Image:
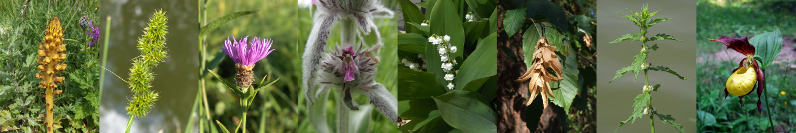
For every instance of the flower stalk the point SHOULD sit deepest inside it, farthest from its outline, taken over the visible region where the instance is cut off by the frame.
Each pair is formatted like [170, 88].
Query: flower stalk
[51, 55]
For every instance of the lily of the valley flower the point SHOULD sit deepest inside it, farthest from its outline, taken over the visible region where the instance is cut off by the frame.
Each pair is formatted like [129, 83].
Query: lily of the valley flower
[245, 56]
[743, 78]
[354, 69]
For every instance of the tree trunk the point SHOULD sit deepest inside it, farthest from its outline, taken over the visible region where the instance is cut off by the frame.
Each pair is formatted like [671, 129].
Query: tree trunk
[510, 94]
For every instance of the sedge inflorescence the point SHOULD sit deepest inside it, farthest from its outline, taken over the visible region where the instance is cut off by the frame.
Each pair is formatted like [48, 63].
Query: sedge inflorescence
[152, 46]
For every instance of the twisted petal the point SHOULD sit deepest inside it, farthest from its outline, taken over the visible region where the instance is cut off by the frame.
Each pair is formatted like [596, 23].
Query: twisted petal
[741, 45]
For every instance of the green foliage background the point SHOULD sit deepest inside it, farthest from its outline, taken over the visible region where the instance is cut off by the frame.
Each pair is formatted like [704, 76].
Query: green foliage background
[22, 110]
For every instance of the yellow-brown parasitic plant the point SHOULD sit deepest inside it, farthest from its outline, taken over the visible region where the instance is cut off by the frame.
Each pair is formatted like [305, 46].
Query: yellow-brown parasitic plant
[50, 54]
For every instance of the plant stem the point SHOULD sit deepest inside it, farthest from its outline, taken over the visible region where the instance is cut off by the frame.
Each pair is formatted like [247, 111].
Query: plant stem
[49, 118]
[129, 124]
[652, 125]
[243, 122]
[647, 83]
[343, 113]
[768, 108]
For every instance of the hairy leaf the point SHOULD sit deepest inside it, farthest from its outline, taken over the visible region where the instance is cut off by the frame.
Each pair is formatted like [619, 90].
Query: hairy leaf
[626, 37]
[666, 69]
[662, 37]
[670, 120]
[635, 67]
[639, 104]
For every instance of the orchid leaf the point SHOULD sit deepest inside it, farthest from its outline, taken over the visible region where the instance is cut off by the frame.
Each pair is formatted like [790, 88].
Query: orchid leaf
[768, 46]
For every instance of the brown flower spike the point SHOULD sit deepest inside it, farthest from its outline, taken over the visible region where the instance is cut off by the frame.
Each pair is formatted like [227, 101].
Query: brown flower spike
[544, 58]
[50, 53]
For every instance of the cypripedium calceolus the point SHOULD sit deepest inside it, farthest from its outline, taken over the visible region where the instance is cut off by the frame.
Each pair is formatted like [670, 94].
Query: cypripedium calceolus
[743, 79]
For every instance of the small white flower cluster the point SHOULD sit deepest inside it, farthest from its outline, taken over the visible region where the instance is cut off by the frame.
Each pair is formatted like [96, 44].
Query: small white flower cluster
[413, 65]
[425, 23]
[647, 110]
[469, 17]
[647, 88]
[644, 66]
[445, 49]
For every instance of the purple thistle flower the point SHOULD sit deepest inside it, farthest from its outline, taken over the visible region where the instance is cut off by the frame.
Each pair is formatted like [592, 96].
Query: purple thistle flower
[247, 55]
[94, 33]
[349, 67]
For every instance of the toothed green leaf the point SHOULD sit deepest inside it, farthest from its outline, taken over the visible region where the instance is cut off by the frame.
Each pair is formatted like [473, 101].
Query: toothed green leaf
[639, 104]
[666, 69]
[635, 67]
[626, 37]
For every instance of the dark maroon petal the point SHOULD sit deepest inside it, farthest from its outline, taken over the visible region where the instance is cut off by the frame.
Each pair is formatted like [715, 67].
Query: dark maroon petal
[726, 93]
[761, 80]
[741, 45]
[740, 98]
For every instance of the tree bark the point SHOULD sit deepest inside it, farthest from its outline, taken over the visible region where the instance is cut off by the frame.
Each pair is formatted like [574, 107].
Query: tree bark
[510, 101]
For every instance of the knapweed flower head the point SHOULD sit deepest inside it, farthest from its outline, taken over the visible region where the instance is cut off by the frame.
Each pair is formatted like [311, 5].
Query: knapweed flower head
[743, 79]
[245, 55]
[94, 33]
[50, 53]
[354, 69]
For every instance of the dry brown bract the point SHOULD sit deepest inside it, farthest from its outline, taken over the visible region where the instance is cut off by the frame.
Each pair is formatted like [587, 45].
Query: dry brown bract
[544, 58]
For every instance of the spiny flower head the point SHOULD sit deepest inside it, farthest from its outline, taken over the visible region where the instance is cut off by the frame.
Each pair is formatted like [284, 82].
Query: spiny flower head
[743, 79]
[50, 55]
[152, 46]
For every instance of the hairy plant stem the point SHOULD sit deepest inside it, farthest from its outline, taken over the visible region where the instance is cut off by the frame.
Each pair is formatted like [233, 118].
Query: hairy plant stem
[647, 83]
[343, 113]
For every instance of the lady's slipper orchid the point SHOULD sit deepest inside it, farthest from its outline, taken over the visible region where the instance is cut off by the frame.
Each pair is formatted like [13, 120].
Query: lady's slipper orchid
[743, 78]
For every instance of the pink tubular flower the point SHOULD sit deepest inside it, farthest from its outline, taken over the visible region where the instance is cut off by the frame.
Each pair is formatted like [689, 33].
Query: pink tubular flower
[349, 67]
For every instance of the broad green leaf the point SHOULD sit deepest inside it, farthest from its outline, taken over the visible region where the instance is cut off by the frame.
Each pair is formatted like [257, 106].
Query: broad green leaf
[411, 14]
[220, 21]
[414, 84]
[585, 23]
[419, 108]
[480, 64]
[473, 31]
[670, 120]
[662, 37]
[639, 104]
[657, 20]
[554, 13]
[706, 117]
[421, 29]
[569, 86]
[635, 67]
[436, 125]
[529, 39]
[444, 21]
[514, 20]
[768, 46]
[412, 42]
[493, 21]
[420, 121]
[626, 37]
[666, 69]
[464, 110]
[483, 8]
